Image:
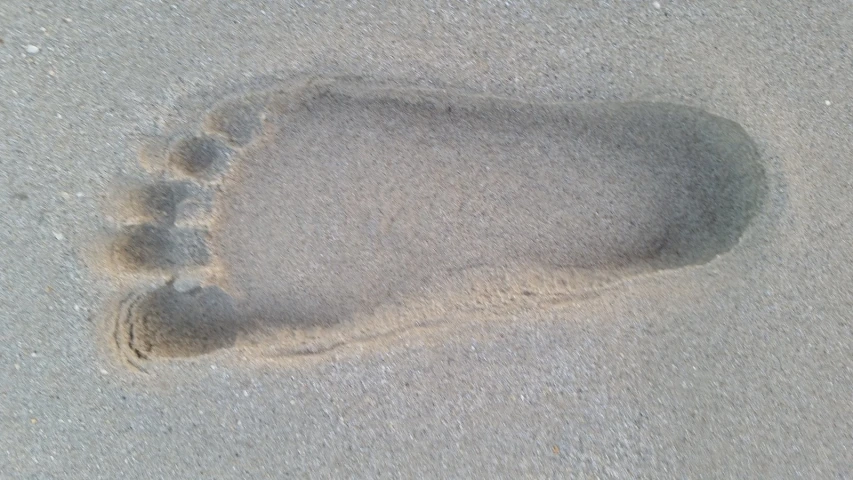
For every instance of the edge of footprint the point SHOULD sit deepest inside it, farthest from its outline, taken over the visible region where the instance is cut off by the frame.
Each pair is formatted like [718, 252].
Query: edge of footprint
[201, 159]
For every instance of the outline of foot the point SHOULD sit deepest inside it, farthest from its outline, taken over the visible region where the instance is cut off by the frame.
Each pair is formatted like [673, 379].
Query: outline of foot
[189, 215]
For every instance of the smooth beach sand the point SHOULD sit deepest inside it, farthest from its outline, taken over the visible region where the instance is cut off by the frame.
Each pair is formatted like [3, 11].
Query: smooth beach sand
[510, 240]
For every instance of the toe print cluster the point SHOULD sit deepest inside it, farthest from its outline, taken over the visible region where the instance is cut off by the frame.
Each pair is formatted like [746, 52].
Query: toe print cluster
[176, 210]
[181, 316]
[163, 244]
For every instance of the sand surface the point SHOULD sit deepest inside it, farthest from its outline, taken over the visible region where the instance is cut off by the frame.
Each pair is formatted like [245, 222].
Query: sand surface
[650, 206]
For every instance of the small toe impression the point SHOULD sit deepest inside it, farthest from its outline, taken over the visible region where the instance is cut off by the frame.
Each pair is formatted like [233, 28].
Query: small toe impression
[151, 247]
[171, 202]
[237, 121]
[171, 323]
[202, 156]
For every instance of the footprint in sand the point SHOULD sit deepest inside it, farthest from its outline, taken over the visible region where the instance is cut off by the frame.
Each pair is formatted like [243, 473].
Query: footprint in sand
[333, 211]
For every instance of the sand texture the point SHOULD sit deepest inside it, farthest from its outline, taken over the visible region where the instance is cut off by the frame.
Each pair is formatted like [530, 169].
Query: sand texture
[450, 241]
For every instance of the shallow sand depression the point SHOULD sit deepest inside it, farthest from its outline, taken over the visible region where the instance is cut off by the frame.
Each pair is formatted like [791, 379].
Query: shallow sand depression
[330, 211]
